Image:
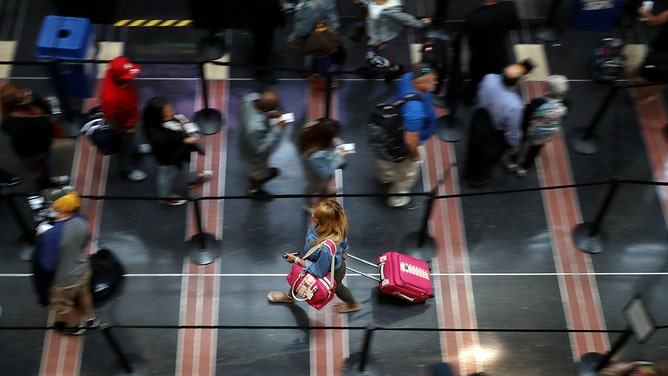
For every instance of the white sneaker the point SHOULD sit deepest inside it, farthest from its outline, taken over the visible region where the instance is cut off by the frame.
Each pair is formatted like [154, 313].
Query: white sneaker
[521, 172]
[136, 175]
[60, 180]
[201, 178]
[508, 163]
[144, 149]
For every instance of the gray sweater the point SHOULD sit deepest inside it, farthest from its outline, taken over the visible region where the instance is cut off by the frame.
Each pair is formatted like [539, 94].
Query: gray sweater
[259, 137]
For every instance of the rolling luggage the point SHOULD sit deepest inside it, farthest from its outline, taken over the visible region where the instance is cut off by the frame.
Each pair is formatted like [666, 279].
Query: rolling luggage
[401, 276]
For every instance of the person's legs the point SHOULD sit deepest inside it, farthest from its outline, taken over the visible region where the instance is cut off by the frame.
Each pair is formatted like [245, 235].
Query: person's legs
[257, 173]
[408, 173]
[62, 301]
[530, 158]
[85, 300]
[164, 180]
[38, 172]
[349, 303]
[378, 61]
[263, 42]
[314, 186]
[385, 171]
[440, 13]
[125, 160]
[125, 155]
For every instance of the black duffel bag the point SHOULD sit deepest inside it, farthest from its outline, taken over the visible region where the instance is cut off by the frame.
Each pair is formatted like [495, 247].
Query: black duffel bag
[107, 275]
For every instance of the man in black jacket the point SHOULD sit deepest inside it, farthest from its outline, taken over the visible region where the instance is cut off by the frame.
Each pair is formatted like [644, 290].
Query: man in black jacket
[487, 28]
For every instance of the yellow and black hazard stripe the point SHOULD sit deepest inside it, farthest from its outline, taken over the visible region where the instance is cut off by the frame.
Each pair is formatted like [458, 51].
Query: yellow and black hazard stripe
[153, 23]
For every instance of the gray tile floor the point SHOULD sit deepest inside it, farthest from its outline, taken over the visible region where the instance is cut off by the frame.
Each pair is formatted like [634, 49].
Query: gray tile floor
[509, 244]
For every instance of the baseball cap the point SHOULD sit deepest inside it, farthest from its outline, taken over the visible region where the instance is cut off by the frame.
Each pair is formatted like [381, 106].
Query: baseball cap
[420, 69]
[121, 67]
[63, 199]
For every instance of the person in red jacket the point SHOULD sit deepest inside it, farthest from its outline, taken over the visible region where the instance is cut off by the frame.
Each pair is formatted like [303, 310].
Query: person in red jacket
[121, 110]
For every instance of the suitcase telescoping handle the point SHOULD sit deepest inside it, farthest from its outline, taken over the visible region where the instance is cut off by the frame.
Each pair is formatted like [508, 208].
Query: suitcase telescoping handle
[361, 260]
[359, 272]
[362, 274]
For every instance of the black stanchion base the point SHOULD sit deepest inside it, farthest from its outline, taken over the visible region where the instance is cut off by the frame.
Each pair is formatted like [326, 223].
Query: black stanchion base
[588, 364]
[209, 120]
[547, 35]
[426, 252]
[450, 129]
[585, 242]
[138, 367]
[211, 48]
[581, 145]
[206, 255]
[351, 366]
[25, 252]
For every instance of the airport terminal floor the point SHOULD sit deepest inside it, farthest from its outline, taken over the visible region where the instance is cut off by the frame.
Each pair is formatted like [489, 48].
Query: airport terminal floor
[530, 274]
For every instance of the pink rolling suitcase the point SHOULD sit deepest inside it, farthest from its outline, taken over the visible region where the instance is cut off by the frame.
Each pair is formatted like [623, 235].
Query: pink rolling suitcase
[402, 276]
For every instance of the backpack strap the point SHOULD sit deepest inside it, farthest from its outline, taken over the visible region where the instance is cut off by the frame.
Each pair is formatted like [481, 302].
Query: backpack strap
[406, 98]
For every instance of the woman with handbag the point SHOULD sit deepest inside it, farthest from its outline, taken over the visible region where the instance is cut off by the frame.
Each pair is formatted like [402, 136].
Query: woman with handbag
[315, 34]
[320, 158]
[330, 224]
[172, 144]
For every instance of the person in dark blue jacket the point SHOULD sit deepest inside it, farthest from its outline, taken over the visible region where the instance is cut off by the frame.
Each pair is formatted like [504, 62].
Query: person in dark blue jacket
[61, 265]
[419, 121]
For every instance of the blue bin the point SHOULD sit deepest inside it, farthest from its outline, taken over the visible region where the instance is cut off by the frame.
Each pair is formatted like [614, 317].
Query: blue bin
[598, 15]
[69, 38]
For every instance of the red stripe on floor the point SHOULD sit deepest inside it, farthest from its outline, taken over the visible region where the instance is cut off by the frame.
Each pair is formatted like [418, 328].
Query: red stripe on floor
[329, 348]
[454, 294]
[652, 117]
[582, 307]
[197, 348]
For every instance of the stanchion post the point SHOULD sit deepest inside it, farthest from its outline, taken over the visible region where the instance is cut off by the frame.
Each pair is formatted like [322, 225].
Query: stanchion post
[583, 139]
[450, 128]
[365, 349]
[424, 227]
[587, 236]
[122, 360]
[361, 363]
[208, 119]
[591, 363]
[69, 119]
[419, 244]
[551, 31]
[203, 246]
[328, 94]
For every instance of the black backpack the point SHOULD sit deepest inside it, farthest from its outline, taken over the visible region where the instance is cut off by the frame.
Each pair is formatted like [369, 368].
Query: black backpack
[386, 130]
[608, 61]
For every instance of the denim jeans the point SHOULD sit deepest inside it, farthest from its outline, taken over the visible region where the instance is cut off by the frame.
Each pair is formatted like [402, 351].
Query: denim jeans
[126, 154]
[165, 179]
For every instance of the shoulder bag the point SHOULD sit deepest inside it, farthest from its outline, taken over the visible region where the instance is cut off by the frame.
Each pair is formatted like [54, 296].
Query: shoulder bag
[103, 136]
[323, 40]
[304, 286]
